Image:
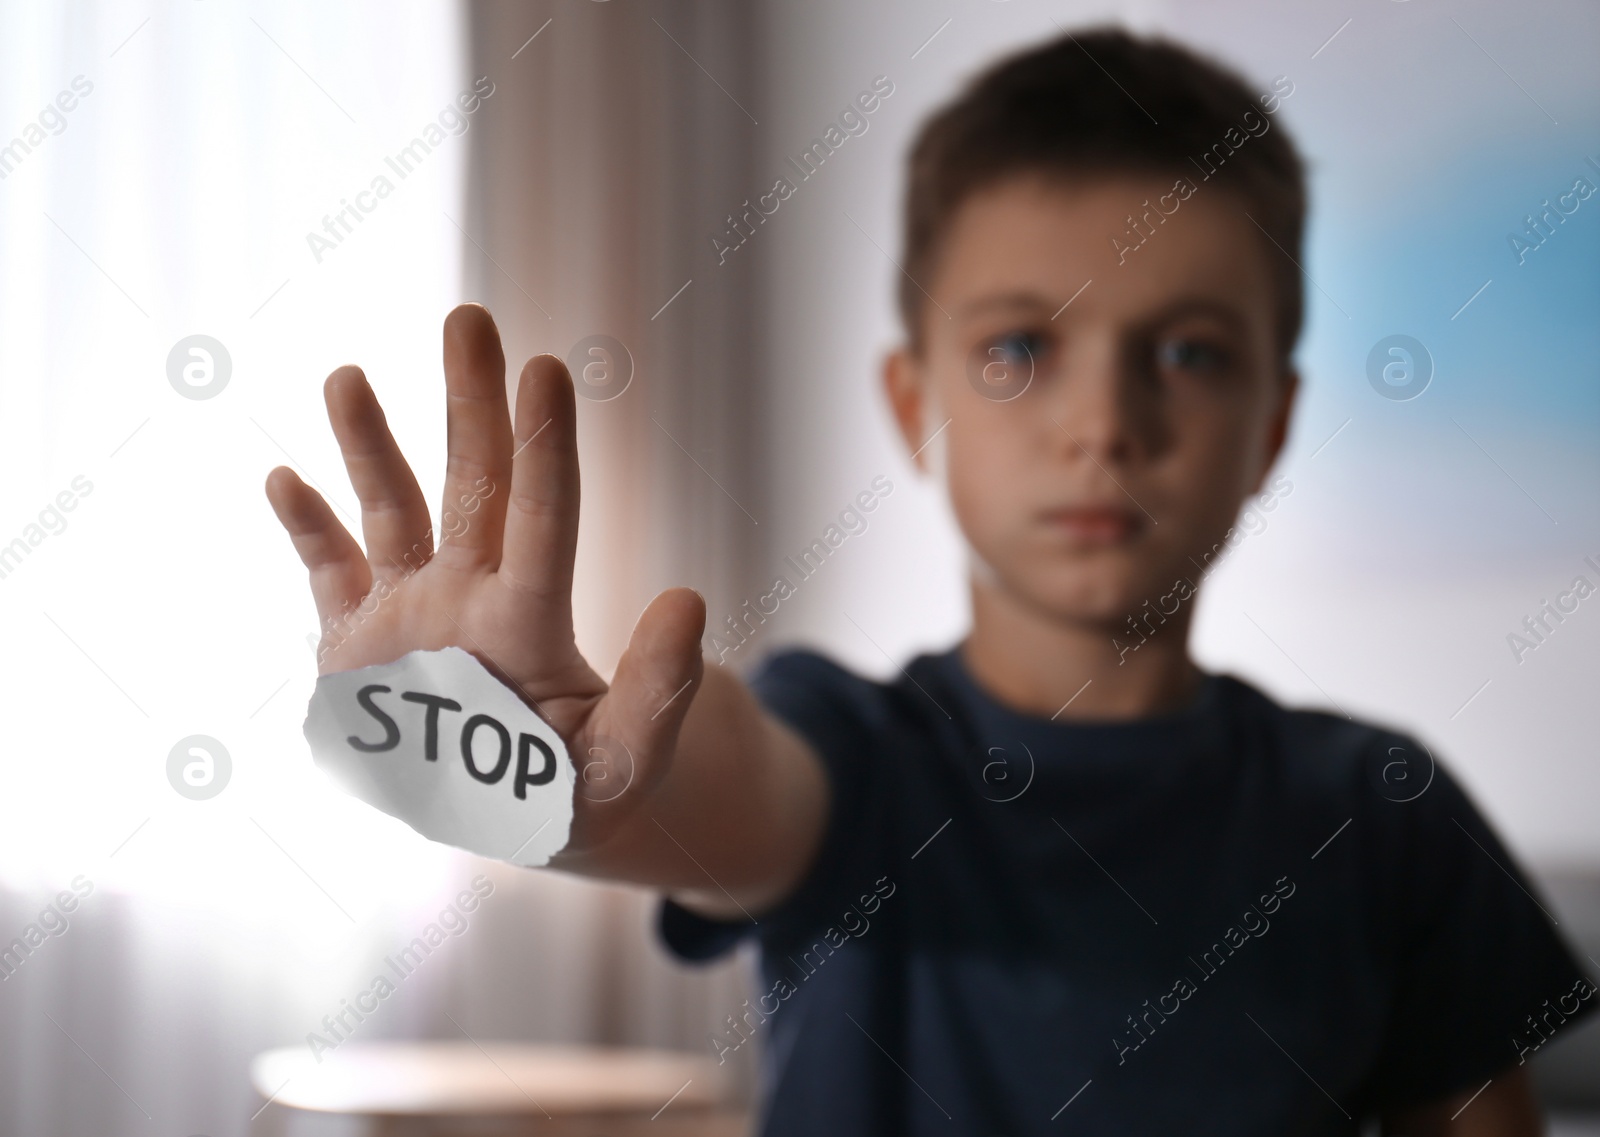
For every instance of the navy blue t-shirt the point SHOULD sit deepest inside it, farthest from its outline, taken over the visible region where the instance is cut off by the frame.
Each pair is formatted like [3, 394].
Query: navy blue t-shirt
[1234, 919]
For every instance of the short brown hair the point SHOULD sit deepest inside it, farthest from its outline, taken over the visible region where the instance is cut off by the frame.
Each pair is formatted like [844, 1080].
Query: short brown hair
[1057, 109]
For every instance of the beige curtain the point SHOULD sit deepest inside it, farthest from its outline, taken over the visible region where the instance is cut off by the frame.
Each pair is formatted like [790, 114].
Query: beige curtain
[616, 143]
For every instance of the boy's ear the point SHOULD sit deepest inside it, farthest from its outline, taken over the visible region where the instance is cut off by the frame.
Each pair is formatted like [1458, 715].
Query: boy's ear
[1278, 424]
[903, 384]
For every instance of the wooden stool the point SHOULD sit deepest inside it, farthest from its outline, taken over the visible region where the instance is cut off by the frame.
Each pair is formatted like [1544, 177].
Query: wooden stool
[462, 1089]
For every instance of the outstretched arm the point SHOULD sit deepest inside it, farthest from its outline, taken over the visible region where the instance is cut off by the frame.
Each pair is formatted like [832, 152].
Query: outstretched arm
[724, 805]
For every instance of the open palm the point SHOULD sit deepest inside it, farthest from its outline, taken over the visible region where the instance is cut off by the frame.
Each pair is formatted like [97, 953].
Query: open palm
[499, 582]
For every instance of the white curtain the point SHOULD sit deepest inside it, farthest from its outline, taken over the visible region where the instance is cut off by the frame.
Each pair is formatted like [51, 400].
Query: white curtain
[206, 170]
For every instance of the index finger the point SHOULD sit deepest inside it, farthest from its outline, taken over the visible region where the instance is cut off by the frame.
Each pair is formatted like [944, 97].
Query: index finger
[542, 509]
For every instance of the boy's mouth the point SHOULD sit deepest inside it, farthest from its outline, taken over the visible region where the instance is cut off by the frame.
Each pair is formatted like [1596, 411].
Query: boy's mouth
[1095, 525]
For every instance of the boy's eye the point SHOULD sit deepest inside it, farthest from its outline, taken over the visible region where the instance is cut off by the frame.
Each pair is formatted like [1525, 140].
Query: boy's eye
[1021, 352]
[1003, 366]
[1191, 355]
[1017, 347]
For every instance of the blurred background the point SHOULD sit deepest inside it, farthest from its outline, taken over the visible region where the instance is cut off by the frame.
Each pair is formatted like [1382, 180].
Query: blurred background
[190, 240]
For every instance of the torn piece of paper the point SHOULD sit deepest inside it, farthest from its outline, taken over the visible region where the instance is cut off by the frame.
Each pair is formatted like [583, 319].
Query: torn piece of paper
[438, 741]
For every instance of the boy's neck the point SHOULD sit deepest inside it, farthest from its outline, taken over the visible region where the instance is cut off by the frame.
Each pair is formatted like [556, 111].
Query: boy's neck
[1032, 663]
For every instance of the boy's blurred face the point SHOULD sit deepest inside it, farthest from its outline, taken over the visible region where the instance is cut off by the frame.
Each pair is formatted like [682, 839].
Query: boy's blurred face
[1092, 450]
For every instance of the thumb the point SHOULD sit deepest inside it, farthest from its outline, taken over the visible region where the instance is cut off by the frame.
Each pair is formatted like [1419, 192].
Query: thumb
[656, 680]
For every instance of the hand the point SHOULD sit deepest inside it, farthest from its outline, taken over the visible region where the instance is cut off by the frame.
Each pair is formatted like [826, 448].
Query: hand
[499, 584]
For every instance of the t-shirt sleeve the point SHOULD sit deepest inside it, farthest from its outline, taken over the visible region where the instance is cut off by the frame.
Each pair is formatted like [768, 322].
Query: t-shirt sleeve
[1479, 956]
[842, 717]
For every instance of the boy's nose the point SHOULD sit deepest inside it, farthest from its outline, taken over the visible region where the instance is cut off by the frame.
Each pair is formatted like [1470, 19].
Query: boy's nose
[1103, 410]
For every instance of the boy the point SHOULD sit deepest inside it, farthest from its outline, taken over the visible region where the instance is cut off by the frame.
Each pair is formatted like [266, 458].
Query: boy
[1054, 878]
